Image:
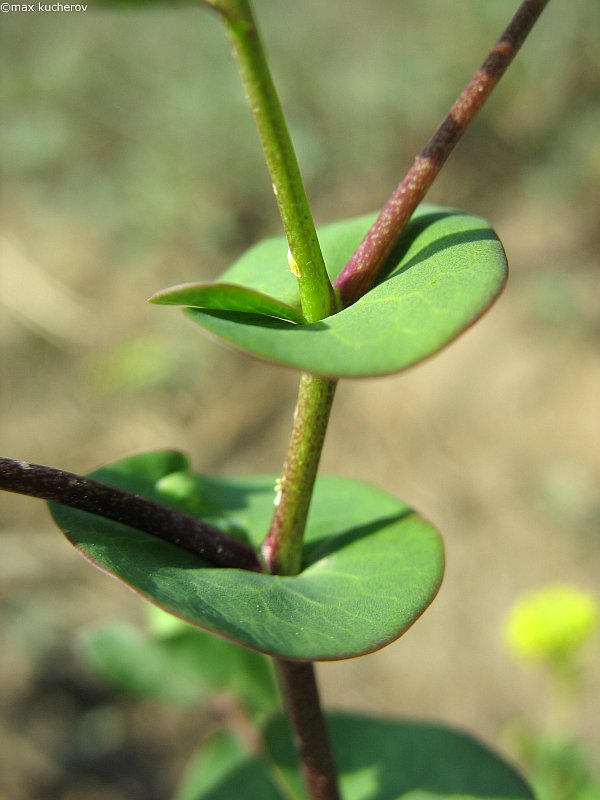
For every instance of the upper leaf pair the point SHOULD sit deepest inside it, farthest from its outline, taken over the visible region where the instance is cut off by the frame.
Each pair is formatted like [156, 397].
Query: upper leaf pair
[446, 270]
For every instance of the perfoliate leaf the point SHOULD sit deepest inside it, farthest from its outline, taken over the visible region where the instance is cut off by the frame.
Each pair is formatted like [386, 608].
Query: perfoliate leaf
[444, 273]
[371, 564]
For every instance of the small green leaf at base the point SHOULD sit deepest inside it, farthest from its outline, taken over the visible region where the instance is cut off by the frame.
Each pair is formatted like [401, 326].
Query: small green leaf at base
[225, 770]
[445, 272]
[371, 565]
[188, 666]
[377, 759]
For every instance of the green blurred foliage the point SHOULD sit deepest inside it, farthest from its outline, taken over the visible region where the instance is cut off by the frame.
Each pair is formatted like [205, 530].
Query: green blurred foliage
[138, 364]
[175, 662]
[557, 766]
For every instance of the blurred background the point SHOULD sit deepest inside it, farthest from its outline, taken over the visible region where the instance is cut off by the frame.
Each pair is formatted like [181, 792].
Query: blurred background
[130, 163]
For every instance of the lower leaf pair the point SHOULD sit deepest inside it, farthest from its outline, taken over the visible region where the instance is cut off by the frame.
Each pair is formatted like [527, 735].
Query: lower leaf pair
[371, 565]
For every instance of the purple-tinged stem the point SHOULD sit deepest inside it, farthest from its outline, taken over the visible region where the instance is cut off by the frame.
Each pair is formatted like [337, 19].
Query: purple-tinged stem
[362, 269]
[85, 494]
[282, 551]
[311, 740]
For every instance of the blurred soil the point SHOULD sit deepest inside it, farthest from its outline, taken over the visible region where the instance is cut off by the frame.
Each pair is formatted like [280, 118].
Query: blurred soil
[133, 166]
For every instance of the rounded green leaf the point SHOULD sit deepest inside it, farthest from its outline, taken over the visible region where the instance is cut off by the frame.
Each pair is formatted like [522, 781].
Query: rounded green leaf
[445, 272]
[371, 565]
[386, 759]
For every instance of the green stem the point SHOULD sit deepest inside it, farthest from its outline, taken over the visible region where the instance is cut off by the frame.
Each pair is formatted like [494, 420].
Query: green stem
[282, 548]
[317, 296]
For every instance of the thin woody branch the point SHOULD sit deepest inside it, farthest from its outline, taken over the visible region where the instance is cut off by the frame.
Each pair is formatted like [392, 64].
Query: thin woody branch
[299, 688]
[362, 269]
[86, 494]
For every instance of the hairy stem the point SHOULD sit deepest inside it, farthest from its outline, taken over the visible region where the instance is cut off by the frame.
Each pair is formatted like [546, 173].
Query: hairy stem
[316, 293]
[85, 494]
[299, 688]
[362, 269]
[282, 548]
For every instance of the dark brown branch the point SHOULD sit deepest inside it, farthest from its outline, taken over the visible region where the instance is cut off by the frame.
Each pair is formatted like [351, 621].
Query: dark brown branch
[85, 494]
[299, 688]
[362, 269]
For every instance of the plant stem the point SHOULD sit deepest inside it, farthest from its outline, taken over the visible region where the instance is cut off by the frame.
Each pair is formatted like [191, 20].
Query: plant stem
[85, 494]
[362, 269]
[301, 694]
[316, 293]
[282, 548]
[283, 545]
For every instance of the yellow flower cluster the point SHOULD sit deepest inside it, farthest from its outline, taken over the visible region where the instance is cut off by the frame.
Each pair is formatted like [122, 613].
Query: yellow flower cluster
[552, 624]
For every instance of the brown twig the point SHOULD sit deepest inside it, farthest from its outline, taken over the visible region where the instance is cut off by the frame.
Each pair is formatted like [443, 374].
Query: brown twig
[85, 494]
[362, 269]
[311, 739]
